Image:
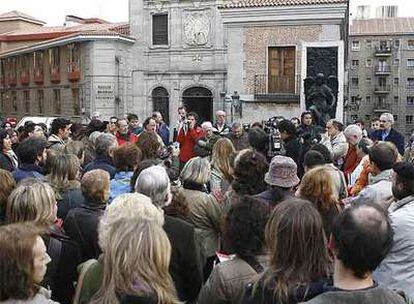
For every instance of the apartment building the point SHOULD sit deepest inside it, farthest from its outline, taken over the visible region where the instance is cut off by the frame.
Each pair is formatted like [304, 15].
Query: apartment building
[381, 71]
[70, 70]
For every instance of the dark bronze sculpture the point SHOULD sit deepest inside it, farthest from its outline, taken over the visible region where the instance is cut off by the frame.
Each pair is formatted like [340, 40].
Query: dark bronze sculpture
[320, 97]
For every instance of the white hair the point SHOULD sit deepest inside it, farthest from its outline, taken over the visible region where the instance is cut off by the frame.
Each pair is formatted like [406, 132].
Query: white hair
[154, 183]
[220, 112]
[388, 117]
[353, 130]
[206, 124]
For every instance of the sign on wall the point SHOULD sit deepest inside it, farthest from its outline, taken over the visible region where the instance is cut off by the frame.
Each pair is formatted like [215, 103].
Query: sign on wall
[105, 94]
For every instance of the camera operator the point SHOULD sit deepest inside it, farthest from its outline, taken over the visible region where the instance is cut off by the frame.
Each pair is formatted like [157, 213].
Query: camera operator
[293, 147]
[239, 137]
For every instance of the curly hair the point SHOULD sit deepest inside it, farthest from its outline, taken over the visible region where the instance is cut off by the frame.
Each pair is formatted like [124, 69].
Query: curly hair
[250, 168]
[17, 261]
[179, 204]
[149, 145]
[244, 226]
[7, 185]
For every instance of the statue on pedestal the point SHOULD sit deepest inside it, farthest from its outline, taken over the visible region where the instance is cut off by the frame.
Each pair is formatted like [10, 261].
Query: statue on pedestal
[320, 97]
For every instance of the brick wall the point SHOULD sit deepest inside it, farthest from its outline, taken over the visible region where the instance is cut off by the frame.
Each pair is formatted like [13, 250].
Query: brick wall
[257, 39]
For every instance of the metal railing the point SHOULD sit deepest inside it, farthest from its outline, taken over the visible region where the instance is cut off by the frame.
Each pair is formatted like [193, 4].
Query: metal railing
[382, 69]
[382, 88]
[383, 50]
[265, 84]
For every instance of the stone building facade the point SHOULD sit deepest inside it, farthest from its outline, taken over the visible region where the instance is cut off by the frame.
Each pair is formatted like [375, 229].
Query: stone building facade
[179, 57]
[381, 71]
[64, 71]
[270, 45]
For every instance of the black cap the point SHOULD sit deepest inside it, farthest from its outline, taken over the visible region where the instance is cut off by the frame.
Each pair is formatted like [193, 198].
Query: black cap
[404, 170]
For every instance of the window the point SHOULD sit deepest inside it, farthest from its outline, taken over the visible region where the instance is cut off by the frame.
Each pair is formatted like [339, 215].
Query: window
[56, 101]
[368, 80]
[397, 42]
[54, 61]
[410, 83]
[40, 97]
[355, 63]
[410, 63]
[354, 99]
[26, 98]
[281, 70]
[160, 29]
[354, 82]
[395, 99]
[73, 53]
[369, 43]
[396, 80]
[395, 117]
[355, 45]
[409, 119]
[368, 99]
[14, 101]
[76, 104]
[396, 61]
[369, 63]
[410, 44]
[410, 100]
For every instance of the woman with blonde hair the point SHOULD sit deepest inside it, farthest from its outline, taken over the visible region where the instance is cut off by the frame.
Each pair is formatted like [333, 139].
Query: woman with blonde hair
[34, 202]
[221, 168]
[317, 187]
[64, 179]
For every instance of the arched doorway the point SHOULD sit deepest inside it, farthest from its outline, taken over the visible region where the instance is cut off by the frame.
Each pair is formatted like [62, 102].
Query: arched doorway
[199, 100]
[160, 102]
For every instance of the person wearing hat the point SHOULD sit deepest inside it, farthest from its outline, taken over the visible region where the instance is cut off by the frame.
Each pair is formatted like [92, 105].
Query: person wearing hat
[281, 179]
[397, 270]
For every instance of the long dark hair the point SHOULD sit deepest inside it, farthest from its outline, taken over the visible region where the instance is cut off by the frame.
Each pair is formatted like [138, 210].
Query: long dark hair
[297, 246]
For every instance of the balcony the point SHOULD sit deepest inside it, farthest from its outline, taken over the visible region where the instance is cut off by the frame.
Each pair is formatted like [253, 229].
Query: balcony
[54, 74]
[25, 78]
[382, 106]
[279, 89]
[39, 77]
[382, 89]
[382, 70]
[12, 81]
[383, 51]
[73, 71]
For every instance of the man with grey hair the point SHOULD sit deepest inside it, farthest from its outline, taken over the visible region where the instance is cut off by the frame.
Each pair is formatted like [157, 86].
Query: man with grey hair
[238, 137]
[104, 146]
[388, 133]
[353, 135]
[220, 127]
[205, 144]
[185, 266]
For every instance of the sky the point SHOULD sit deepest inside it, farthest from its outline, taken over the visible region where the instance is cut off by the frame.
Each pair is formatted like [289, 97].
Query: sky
[53, 12]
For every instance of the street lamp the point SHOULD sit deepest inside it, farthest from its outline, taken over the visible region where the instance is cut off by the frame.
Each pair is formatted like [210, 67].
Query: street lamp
[236, 105]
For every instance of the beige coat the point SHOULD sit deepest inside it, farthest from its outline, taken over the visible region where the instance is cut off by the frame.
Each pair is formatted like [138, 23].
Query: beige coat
[227, 281]
[205, 214]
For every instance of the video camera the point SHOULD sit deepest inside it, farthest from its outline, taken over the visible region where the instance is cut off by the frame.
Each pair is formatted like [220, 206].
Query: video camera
[275, 142]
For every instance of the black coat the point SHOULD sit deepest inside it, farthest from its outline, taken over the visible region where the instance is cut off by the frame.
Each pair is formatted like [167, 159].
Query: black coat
[6, 163]
[293, 149]
[62, 270]
[395, 137]
[185, 266]
[69, 199]
[81, 225]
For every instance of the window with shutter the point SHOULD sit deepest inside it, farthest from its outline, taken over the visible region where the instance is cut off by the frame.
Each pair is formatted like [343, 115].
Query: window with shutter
[281, 70]
[160, 29]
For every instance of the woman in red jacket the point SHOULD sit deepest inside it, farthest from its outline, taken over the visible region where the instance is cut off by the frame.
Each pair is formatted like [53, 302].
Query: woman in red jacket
[187, 137]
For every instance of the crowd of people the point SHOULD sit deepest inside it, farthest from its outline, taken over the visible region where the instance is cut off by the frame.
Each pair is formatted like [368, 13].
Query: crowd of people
[122, 212]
